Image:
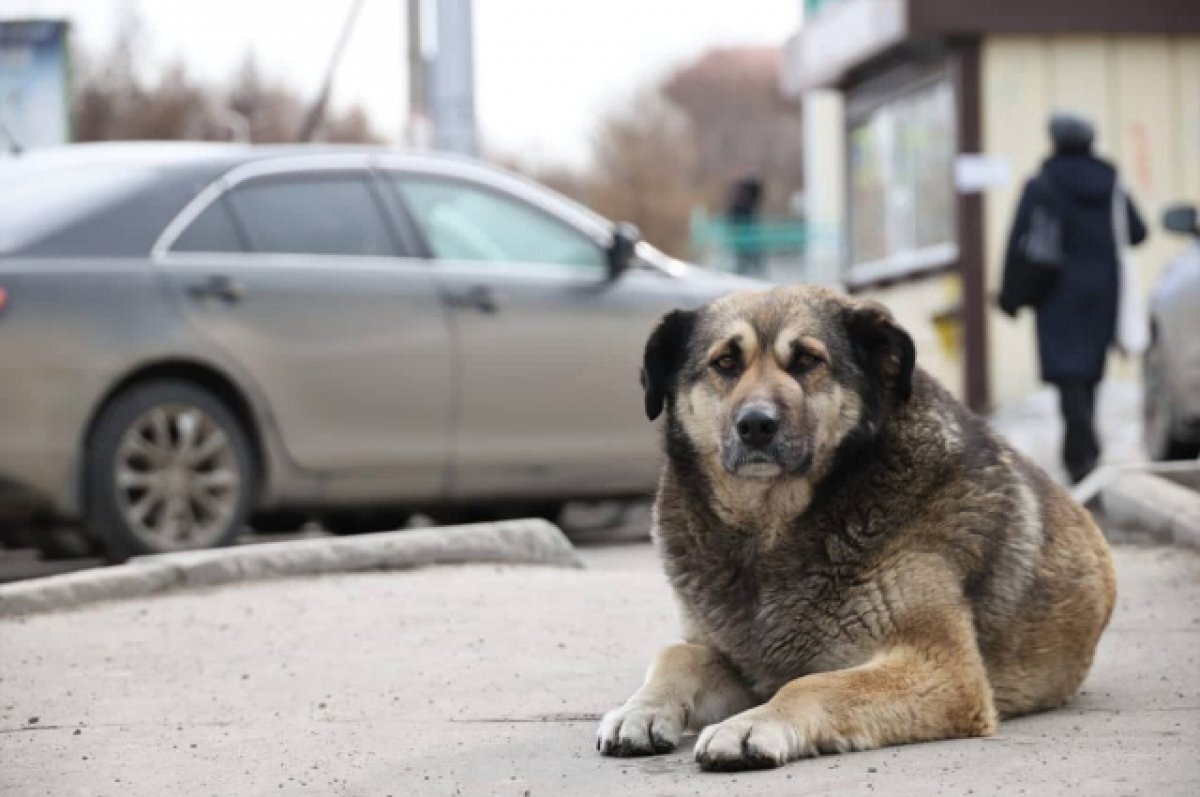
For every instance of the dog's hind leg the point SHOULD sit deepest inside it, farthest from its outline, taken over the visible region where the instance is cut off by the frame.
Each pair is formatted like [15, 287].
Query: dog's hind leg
[929, 683]
[688, 685]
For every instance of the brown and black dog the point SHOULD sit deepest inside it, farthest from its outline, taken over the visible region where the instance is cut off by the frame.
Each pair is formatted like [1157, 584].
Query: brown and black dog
[859, 561]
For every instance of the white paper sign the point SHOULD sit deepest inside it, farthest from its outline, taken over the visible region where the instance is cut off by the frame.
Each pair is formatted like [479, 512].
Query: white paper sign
[975, 172]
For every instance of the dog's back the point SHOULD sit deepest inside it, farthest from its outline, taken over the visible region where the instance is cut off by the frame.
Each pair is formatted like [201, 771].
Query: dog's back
[1039, 648]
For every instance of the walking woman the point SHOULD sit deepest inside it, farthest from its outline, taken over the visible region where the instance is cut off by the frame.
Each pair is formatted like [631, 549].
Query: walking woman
[1063, 259]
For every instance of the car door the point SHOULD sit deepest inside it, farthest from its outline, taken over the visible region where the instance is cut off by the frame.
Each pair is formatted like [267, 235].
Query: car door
[296, 273]
[548, 346]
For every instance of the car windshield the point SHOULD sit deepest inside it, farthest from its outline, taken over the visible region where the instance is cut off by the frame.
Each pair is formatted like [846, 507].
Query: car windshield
[37, 198]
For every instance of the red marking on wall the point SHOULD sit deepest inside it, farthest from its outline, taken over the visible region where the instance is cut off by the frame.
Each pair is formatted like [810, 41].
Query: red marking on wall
[1142, 174]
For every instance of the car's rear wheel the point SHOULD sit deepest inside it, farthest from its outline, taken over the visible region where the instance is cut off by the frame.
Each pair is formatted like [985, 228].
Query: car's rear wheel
[1158, 413]
[169, 468]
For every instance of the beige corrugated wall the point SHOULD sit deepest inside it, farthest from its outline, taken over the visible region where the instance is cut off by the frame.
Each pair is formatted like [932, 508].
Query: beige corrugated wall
[1143, 92]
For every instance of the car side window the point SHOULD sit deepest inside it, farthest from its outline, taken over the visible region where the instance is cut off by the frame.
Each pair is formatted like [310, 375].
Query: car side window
[212, 231]
[462, 221]
[315, 214]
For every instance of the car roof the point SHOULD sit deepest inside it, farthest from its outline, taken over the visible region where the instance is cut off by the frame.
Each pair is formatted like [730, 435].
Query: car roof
[174, 172]
[207, 154]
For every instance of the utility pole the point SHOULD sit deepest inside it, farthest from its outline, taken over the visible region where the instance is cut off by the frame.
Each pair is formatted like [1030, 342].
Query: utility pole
[451, 79]
[316, 111]
[417, 134]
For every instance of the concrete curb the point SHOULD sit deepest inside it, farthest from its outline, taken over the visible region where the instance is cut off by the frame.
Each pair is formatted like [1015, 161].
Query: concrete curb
[530, 541]
[1158, 504]
[1184, 472]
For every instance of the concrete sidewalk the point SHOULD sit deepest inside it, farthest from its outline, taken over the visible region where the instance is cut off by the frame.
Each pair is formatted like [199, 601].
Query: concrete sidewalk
[1034, 426]
[489, 679]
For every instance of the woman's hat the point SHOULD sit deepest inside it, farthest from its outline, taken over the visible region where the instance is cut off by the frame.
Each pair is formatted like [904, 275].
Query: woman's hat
[1071, 131]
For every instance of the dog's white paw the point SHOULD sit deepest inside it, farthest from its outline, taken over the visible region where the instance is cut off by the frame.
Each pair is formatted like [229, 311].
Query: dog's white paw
[755, 739]
[640, 729]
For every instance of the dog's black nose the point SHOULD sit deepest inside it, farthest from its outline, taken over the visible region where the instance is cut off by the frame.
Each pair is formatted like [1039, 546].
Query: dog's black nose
[756, 427]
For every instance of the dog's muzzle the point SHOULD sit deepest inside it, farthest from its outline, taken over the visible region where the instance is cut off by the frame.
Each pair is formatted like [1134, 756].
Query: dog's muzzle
[756, 446]
[757, 425]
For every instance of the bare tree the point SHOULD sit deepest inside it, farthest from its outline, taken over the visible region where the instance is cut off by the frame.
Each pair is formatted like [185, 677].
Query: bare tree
[642, 159]
[108, 92]
[677, 146]
[352, 126]
[271, 111]
[740, 122]
[113, 101]
[177, 107]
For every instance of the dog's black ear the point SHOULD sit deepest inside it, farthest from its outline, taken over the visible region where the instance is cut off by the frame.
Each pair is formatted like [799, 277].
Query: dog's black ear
[883, 347]
[664, 355]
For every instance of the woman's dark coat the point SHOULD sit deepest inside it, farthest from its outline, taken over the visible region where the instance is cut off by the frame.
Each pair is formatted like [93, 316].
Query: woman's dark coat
[1076, 323]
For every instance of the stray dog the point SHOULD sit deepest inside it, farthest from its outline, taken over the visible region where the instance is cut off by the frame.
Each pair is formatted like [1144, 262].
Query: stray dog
[858, 560]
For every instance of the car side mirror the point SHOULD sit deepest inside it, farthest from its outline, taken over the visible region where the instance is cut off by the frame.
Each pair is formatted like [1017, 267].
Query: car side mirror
[1181, 219]
[620, 251]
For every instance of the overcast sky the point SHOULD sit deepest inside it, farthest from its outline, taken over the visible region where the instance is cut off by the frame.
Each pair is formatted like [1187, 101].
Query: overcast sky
[545, 69]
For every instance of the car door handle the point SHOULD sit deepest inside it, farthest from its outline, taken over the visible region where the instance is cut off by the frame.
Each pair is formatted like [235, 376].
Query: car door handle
[477, 297]
[218, 286]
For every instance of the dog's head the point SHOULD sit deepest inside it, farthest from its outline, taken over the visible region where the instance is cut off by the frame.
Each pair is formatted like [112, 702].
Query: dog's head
[767, 385]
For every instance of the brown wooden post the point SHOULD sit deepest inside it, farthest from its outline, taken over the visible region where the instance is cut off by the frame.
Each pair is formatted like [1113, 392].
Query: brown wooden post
[970, 229]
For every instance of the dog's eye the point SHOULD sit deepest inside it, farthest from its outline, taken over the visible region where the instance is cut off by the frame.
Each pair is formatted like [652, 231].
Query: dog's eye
[804, 362]
[726, 365]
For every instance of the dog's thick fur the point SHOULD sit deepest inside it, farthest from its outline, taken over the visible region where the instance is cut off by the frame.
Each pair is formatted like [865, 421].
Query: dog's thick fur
[889, 571]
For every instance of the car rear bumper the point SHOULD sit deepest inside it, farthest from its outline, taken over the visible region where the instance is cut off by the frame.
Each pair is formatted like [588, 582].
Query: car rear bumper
[42, 417]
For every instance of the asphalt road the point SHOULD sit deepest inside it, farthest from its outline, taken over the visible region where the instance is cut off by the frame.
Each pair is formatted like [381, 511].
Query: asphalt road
[490, 680]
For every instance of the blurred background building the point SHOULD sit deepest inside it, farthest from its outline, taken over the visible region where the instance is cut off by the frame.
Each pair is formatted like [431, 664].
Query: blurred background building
[35, 85]
[922, 118]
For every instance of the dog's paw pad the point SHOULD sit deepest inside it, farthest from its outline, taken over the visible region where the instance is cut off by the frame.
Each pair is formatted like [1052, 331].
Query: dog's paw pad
[745, 743]
[639, 730]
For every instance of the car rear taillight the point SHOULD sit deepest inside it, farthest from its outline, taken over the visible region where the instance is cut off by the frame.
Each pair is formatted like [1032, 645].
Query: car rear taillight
[3, 297]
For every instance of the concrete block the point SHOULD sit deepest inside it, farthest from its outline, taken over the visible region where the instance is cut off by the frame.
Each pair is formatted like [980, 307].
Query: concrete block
[1162, 507]
[528, 541]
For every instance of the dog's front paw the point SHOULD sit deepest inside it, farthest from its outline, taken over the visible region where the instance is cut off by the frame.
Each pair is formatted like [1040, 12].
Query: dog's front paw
[640, 729]
[756, 739]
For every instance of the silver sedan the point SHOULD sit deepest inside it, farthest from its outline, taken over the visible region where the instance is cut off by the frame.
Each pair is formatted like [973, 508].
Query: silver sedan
[196, 335]
[1172, 365]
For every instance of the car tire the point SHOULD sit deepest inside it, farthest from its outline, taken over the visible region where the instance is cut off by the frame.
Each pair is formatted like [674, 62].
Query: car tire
[16, 535]
[60, 543]
[1158, 413]
[168, 468]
